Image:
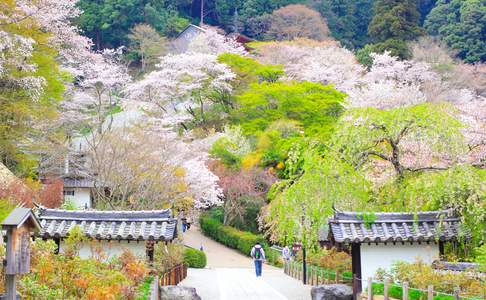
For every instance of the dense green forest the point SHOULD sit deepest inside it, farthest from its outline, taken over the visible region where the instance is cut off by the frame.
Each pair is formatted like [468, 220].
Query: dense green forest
[379, 24]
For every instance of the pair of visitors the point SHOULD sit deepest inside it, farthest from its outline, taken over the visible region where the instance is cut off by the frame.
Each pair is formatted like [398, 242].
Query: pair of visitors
[258, 255]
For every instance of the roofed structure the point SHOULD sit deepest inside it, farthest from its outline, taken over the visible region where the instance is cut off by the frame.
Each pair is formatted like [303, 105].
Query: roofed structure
[182, 41]
[77, 182]
[351, 227]
[156, 225]
[456, 266]
[20, 215]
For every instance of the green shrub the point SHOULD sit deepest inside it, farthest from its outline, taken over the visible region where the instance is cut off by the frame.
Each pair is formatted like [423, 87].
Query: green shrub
[144, 289]
[240, 240]
[194, 258]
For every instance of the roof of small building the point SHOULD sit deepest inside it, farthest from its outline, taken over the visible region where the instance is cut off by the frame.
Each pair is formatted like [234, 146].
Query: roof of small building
[109, 225]
[19, 215]
[456, 266]
[351, 227]
[189, 27]
[73, 182]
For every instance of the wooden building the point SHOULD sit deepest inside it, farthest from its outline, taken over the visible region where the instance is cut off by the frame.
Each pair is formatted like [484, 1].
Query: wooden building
[185, 37]
[390, 237]
[113, 231]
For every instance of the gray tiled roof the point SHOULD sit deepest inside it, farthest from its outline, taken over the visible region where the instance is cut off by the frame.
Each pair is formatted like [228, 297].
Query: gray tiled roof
[456, 266]
[78, 183]
[109, 225]
[349, 227]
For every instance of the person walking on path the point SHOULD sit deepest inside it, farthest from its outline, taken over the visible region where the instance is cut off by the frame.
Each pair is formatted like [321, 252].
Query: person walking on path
[258, 255]
[286, 255]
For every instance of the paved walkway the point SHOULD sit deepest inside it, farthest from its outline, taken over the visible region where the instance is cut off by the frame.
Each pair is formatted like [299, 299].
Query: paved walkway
[229, 275]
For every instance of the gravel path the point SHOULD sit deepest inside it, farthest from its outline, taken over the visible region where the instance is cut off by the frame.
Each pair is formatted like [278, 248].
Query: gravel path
[229, 275]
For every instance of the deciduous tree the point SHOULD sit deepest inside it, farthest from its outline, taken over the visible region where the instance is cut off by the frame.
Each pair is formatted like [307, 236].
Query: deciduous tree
[297, 21]
[147, 43]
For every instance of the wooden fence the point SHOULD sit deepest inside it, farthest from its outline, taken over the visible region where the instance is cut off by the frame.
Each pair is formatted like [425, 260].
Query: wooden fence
[174, 275]
[406, 291]
[315, 275]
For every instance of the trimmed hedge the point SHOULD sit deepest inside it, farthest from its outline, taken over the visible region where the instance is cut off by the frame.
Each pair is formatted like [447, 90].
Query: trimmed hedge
[240, 240]
[195, 258]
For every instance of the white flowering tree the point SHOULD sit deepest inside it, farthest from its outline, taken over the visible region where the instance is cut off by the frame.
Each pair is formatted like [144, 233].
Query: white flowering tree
[211, 42]
[190, 80]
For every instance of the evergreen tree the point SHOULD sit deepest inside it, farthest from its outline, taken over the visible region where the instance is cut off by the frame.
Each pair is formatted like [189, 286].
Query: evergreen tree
[109, 22]
[424, 8]
[394, 23]
[462, 25]
[347, 19]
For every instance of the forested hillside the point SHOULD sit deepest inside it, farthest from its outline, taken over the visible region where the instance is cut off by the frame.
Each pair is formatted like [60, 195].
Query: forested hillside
[378, 24]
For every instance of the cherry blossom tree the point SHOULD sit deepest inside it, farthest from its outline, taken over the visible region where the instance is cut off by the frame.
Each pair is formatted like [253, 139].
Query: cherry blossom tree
[189, 80]
[212, 42]
[135, 164]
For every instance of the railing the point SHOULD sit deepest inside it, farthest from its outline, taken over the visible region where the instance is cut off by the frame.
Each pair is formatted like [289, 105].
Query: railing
[403, 291]
[174, 275]
[315, 275]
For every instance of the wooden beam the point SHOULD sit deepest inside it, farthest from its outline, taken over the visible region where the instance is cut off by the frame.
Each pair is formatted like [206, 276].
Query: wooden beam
[356, 269]
[441, 249]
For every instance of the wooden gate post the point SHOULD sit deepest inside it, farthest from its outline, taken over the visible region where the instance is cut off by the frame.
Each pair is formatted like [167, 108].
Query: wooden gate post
[370, 288]
[430, 292]
[19, 224]
[405, 291]
[385, 289]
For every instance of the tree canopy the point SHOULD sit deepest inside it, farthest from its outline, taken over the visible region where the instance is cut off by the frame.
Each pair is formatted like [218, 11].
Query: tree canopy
[462, 25]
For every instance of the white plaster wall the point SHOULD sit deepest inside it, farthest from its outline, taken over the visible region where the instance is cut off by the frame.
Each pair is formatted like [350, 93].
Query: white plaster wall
[81, 197]
[112, 248]
[383, 256]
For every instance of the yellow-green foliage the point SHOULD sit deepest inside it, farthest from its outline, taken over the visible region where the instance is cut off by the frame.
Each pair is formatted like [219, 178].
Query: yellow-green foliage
[5, 208]
[249, 70]
[19, 109]
[315, 106]
[420, 275]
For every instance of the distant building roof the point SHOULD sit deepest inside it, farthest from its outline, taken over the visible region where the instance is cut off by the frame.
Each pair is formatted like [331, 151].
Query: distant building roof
[456, 266]
[70, 182]
[350, 227]
[109, 225]
[182, 41]
[19, 215]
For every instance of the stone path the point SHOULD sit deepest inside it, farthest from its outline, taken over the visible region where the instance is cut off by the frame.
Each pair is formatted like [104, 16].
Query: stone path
[230, 275]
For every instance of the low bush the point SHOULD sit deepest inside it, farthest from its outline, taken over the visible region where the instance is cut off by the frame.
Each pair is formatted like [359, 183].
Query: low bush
[144, 289]
[167, 256]
[194, 258]
[240, 240]
[420, 275]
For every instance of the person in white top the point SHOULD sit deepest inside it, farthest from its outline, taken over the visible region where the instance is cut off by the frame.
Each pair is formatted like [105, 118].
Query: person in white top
[258, 255]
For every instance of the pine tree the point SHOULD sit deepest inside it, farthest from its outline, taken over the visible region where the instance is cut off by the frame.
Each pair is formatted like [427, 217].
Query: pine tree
[394, 22]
